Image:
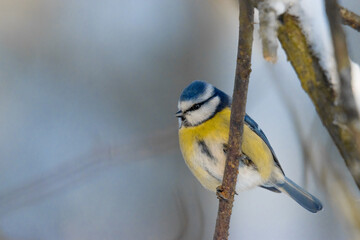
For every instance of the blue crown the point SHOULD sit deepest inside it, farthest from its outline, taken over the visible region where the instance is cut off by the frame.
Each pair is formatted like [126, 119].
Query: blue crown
[193, 91]
[197, 89]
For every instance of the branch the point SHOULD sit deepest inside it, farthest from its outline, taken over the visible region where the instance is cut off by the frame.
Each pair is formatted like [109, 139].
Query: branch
[243, 69]
[349, 18]
[350, 115]
[338, 39]
[321, 92]
[347, 100]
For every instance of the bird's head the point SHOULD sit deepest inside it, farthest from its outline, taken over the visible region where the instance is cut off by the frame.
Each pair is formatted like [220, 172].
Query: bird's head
[199, 102]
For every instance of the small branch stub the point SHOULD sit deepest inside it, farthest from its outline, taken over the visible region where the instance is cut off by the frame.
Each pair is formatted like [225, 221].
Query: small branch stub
[349, 18]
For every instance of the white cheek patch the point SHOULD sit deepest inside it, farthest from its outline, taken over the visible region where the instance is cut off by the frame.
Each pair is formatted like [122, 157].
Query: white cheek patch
[184, 105]
[204, 112]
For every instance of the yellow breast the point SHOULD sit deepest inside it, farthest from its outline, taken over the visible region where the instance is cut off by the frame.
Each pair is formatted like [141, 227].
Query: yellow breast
[217, 129]
[214, 131]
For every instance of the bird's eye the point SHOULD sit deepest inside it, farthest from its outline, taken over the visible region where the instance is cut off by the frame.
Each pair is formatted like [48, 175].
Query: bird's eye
[195, 107]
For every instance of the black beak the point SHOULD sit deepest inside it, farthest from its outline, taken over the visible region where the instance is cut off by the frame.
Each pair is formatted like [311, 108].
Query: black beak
[179, 114]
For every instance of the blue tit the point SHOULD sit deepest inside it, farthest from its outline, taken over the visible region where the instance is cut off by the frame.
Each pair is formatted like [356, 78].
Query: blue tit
[204, 121]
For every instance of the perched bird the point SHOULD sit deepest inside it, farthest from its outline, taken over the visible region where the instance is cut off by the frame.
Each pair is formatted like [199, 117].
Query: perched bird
[204, 121]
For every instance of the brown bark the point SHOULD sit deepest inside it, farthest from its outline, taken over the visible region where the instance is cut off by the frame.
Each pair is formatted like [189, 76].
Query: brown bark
[243, 69]
[321, 92]
[349, 18]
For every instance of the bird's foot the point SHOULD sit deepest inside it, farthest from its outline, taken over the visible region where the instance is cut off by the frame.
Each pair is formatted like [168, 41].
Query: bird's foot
[220, 193]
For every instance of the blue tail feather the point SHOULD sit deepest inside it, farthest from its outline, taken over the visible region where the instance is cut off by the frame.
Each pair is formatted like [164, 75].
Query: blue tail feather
[301, 196]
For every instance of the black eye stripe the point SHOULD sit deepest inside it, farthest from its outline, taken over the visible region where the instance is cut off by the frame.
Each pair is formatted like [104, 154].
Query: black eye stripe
[195, 107]
[198, 105]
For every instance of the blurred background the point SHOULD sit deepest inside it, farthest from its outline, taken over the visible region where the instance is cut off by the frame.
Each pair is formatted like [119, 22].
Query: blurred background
[88, 137]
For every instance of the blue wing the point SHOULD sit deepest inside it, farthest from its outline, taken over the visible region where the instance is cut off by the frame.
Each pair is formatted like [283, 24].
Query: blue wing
[255, 127]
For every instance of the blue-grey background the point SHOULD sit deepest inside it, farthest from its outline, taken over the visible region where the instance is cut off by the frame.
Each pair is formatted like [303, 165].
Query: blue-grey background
[88, 137]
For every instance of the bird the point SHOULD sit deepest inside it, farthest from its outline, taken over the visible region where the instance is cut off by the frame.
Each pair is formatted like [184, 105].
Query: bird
[204, 122]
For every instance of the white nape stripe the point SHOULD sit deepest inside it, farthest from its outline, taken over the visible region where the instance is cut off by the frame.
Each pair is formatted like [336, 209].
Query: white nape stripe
[184, 105]
[209, 91]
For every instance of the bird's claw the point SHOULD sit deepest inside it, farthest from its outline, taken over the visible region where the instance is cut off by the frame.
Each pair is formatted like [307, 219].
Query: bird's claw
[220, 193]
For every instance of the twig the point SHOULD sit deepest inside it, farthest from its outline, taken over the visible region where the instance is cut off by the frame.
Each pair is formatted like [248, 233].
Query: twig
[349, 18]
[350, 116]
[342, 61]
[321, 92]
[338, 36]
[243, 69]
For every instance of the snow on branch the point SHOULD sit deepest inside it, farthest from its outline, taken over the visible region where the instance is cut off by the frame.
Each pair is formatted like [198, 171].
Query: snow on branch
[319, 56]
[269, 10]
[319, 87]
